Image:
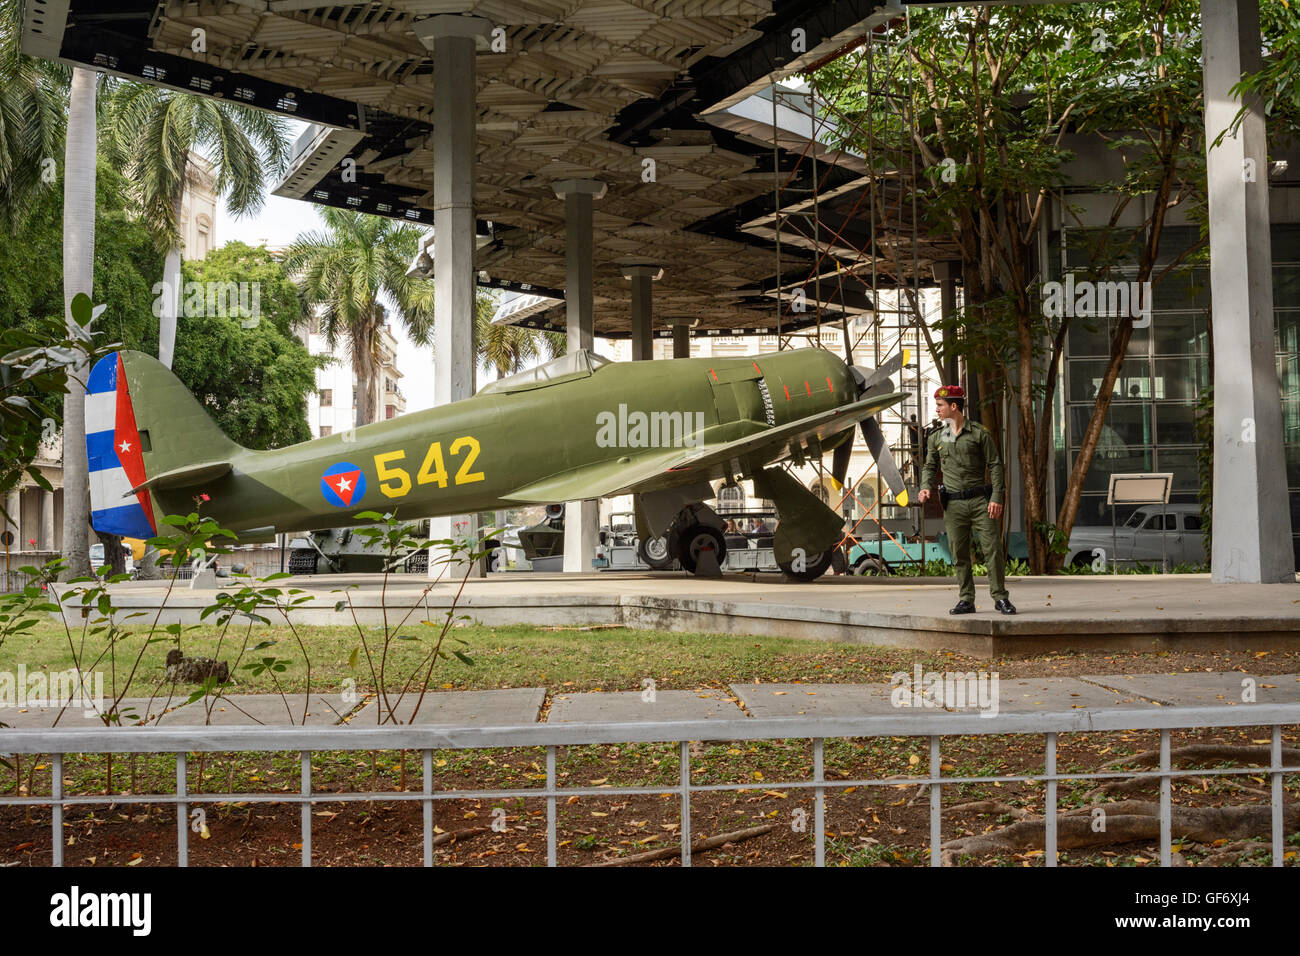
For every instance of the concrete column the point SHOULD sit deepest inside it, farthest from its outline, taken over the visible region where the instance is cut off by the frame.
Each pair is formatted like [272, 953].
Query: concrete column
[47, 521]
[581, 518]
[452, 40]
[681, 340]
[1252, 519]
[642, 310]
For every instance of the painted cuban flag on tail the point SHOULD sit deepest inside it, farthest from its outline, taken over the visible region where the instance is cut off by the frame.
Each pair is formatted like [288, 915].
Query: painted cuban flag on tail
[114, 456]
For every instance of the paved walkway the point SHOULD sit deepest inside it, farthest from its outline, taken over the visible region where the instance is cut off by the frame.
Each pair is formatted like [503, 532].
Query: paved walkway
[523, 705]
[1124, 612]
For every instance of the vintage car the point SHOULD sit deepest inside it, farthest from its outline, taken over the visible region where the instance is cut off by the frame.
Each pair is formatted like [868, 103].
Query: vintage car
[1139, 539]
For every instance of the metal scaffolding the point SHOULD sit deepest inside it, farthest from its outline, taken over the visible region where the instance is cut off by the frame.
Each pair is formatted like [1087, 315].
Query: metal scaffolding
[877, 135]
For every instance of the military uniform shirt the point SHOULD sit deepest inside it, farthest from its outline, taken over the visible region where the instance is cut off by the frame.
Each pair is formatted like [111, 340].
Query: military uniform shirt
[964, 459]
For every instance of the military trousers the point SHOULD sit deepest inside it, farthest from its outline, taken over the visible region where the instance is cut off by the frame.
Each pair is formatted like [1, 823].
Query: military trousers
[962, 518]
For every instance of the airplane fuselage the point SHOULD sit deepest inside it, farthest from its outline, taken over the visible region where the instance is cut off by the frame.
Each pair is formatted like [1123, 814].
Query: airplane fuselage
[470, 455]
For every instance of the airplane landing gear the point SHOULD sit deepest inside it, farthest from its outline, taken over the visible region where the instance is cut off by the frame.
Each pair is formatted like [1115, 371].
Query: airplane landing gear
[809, 569]
[698, 538]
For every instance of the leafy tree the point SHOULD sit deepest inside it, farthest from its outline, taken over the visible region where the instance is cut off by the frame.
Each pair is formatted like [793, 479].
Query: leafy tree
[259, 409]
[35, 362]
[506, 349]
[997, 92]
[252, 374]
[33, 111]
[344, 272]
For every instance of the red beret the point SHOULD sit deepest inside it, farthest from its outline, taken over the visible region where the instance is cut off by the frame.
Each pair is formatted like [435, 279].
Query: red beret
[949, 391]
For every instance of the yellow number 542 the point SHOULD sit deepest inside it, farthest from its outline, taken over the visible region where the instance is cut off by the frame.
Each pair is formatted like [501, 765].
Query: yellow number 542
[395, 482]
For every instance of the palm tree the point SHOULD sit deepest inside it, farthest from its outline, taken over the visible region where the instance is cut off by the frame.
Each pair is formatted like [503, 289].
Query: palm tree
[510, 348]
[155, 134]
[78, 275]
[344, 272]
[33, 107]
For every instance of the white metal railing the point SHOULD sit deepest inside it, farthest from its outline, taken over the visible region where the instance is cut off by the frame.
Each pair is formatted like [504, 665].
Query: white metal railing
[182, 741]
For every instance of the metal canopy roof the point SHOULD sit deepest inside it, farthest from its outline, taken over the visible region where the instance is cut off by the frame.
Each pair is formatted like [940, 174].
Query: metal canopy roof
[583, 89]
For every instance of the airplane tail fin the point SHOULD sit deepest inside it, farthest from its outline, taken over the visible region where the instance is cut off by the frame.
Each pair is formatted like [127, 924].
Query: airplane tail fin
[145, 432]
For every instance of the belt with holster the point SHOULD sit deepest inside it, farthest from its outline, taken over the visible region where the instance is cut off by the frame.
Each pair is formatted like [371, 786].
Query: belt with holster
[980, 491]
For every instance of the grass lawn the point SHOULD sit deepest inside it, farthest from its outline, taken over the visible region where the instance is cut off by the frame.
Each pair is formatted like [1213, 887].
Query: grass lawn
[518, 656]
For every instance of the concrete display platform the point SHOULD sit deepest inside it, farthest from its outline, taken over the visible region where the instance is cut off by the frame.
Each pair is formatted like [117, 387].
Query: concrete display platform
[241, 710]
[629, 706]
[1122, 612]
[1225, 689]
[487, 708]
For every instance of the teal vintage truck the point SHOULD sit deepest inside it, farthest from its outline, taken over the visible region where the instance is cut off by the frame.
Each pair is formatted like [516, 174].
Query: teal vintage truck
[868, 557]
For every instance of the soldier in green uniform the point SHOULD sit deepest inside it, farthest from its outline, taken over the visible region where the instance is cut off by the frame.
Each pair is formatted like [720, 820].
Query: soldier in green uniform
[964, 450]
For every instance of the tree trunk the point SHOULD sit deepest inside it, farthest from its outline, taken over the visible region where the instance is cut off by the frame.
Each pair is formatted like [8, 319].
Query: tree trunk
[113, 556]
[171, 293]
[78, 276]
[365, 371]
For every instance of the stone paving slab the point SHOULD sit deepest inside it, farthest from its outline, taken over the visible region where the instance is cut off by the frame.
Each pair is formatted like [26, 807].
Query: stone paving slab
[242, 710]
[486, 708]
[1220, 689]
[1058, 694]
[629, 706]
[144, 709]
[814, 700]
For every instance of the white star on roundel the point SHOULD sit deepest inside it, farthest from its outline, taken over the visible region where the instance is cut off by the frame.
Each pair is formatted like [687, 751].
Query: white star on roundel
[344, 484]
[125, 446]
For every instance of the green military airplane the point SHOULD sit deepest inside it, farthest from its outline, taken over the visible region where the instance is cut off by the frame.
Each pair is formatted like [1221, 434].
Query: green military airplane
[578, 427]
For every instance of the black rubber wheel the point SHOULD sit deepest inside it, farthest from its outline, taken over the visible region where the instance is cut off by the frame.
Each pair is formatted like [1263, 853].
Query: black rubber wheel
[657, 553]
[839, 563]
[870, 564]
[697, 538]
[495, 555]
[813, 567]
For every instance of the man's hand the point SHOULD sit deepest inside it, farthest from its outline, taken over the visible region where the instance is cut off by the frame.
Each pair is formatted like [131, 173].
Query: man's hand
[995, 510]
[924, 496]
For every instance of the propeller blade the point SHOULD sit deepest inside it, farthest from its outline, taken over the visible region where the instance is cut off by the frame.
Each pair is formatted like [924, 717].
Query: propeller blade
[869, 378]
[840, 461]
[871, 431]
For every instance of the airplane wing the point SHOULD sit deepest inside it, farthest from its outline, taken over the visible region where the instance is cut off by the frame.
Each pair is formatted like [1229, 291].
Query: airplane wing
[677, 466]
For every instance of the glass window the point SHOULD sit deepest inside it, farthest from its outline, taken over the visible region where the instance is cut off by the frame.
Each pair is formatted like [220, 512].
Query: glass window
[1086, 375]
[326, 397]
[1135, 519]
[1180, 333]
[1135, 458]
[1184, 289]
[1091, 336]
[1176, 423]
[1191, 522]
[1127, 423]
[1161, 522]
[1183, 463]
[1286, 287]
[1181, 379]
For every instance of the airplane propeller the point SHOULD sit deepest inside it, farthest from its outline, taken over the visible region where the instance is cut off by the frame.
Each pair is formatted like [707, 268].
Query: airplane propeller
[869, 381]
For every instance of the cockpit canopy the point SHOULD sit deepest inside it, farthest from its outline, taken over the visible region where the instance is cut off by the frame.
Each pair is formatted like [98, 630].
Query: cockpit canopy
[565, 368]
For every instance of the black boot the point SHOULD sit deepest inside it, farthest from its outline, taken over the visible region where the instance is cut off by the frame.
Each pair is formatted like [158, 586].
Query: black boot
[1005, 606]
[963, 607]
